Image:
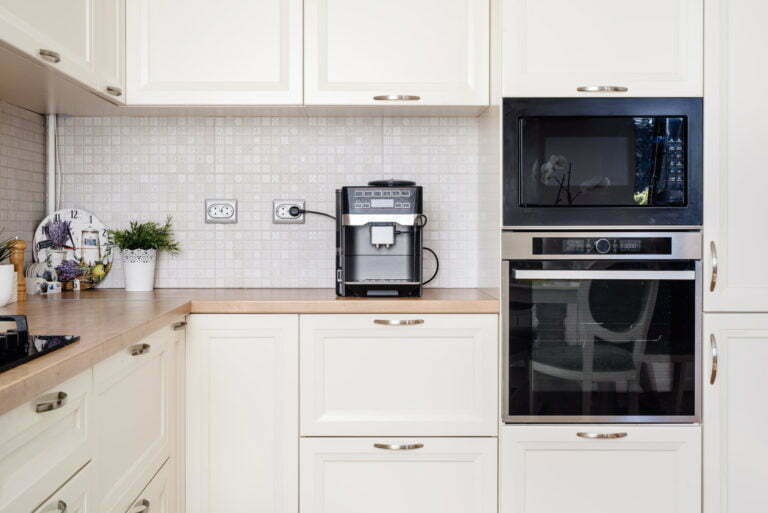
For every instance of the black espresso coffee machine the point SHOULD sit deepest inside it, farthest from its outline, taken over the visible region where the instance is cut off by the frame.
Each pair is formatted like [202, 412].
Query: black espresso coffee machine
[378, 239]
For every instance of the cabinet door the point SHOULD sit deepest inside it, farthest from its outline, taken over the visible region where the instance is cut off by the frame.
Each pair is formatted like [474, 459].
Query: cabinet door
[73, 497]
[242, 413]
[134, 418]
[159, 494]
[64, 28]
[546, 469]
[229, 52]
[376, 375]
[736, 213]
[109, 40]
[432, 475]
[554, 47]
[735, 413]
[436, 50]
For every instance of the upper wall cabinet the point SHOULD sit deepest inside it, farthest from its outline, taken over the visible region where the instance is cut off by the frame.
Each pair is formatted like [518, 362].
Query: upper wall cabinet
[568, 48]
[735, 135]
[199, 52]
[428, 52]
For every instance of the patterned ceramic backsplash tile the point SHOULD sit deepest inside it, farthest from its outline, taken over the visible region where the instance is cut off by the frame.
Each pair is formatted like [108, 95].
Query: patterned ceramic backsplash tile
[144, 168]
[22, 171]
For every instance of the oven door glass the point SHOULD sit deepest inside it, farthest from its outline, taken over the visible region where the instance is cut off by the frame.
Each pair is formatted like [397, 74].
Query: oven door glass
[603, 161]
[601, 341]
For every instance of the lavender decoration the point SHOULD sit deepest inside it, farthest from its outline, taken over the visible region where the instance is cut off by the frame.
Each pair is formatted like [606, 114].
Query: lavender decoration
[57, 232]
[69, 270]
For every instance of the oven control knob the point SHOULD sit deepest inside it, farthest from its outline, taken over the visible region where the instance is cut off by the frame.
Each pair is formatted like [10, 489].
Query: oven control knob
[602, 246]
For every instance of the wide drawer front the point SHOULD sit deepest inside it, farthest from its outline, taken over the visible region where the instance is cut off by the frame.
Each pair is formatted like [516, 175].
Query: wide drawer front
[73, 497]
[398, 475]
[399, 375]
[43, 443]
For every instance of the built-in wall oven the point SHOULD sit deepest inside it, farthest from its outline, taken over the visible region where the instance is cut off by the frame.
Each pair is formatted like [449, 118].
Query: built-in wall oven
[601, 327]
[580, 162]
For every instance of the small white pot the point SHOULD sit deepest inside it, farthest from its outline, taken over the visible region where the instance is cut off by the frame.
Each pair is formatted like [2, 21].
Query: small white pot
[139, 267]
[7, 283]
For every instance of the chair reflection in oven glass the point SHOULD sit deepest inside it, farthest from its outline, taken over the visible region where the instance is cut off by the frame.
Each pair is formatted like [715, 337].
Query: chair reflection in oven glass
[606, 352]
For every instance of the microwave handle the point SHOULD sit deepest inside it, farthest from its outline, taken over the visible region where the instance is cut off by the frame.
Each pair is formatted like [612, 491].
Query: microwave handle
[603, 275]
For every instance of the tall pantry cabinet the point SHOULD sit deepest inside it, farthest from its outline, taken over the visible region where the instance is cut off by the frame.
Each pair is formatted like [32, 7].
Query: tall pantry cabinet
[735, 340]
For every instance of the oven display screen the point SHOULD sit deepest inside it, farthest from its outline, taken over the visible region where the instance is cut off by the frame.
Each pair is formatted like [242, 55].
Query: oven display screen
[601, 246]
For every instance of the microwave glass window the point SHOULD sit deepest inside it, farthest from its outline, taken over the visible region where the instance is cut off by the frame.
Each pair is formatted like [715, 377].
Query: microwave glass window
[603, 161]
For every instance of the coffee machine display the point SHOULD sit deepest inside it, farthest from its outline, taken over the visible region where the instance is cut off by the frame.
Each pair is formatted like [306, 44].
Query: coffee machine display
[379, 239]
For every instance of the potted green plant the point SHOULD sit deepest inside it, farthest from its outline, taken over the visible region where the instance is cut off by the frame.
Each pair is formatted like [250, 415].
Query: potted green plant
[7, 273]
[139, 245]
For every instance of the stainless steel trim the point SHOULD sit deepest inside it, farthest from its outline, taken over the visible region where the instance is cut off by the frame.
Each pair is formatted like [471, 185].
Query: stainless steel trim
[713, 346]
[382, 282]
[139, 349]
[363, 219]
[398, 322]
[49, 55]
[61, 506]
[713, 278]
[519, 245]
[179, 325]
[604, 275]
[397, 97]
[114, 91]
[46, 405]
[140, 507]
[602, 89]
[399, 447]
[601, 436]
[597, 228]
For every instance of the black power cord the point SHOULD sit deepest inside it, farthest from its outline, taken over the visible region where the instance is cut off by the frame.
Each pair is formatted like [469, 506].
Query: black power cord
[437, 265]
[295, 211]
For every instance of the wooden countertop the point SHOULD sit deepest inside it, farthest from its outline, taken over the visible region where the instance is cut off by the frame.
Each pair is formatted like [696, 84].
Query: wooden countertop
[109, 320]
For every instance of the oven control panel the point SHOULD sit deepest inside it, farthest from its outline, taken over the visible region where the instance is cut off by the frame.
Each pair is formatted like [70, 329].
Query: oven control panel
[602, 246]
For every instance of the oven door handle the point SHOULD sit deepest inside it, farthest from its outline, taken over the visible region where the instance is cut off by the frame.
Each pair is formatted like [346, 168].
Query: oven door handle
[603, 275]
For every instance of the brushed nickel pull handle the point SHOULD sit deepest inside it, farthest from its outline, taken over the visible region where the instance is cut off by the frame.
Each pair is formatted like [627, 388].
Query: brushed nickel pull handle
[713, 345]
[399, 447]
[114, 91]
[60, 399]
[50, 55]
[601, 436]
[139, 349]
[602, 89]
[141, 507]
[397, 98]
[713, 279]
[398, 322]
[179, 325]
[61, 506]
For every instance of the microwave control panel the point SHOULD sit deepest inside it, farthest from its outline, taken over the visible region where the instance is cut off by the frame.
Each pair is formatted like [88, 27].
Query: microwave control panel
[602, 246]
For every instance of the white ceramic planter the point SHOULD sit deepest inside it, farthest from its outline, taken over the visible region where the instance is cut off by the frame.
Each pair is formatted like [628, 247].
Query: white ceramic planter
[7, 283]
[139, 266]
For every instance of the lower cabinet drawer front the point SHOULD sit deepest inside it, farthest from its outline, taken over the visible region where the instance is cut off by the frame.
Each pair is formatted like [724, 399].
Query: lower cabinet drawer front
[399, 375]
[374, 475]
[600, 469]
[159, 496]
[73, 497]
[40, 450]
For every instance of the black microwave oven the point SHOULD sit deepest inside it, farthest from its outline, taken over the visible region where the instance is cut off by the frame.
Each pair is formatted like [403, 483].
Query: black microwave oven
[587, 162]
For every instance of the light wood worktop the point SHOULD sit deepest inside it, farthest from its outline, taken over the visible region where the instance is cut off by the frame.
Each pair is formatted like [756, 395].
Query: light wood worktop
[110, 320]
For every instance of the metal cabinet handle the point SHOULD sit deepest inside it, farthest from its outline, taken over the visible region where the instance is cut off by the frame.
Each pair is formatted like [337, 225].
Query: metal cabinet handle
[139, 349]
[713, 345]
[61, 506]
[57, 402]
[601, 436]
[179, 325]
[50, 55]
[396, 447]
[140, 507]
[602, 89]
[398, 322]
[114, 91]
[397, 98]
[713, 279]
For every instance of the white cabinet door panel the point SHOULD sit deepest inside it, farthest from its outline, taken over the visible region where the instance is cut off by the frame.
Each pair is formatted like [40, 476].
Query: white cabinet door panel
[361, 378]
[110, 48]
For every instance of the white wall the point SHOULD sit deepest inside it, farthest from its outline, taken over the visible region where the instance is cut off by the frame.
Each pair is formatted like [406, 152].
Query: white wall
[144, 168]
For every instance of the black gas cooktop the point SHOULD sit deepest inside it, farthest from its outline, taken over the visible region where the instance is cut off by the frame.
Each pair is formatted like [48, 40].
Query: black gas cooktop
[17, 346]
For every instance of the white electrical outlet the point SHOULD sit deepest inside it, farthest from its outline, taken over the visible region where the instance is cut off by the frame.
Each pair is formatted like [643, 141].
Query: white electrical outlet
[220, 211]
[281, 211]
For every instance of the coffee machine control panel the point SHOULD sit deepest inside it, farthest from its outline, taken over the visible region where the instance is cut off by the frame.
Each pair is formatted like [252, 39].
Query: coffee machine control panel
[382, 200]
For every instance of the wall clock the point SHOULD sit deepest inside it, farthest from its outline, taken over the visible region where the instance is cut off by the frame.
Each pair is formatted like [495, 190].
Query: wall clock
[72, 246]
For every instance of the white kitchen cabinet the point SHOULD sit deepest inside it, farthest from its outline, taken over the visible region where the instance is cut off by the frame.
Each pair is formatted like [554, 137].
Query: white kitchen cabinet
[554, 47]
[242, 413]
[44, 442]
[735, 413]
[735, 134]
[134, 420]
[428, 475]
[74, 497]
[376, 375]
[159, 494]
[109, 48]
[546, 469]
[436, 50]
[198, 52]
